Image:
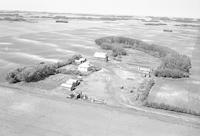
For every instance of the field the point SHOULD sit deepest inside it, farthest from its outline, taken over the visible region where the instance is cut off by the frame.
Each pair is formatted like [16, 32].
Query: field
[114, 106]
[43, 40]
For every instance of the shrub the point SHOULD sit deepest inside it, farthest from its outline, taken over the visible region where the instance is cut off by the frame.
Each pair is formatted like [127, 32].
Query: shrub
[67, 61]
[171, 108]
[13, 77]
[31, 73]
[37, 72]
[117, 49]
[144, 89]
[176, 61]
[94, 68]
[151, 49]
[173, 64]
[173, 73]
[106, 46]
[17, 19]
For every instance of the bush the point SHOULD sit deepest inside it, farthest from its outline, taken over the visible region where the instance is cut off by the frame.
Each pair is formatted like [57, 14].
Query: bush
[94, 68]
[106, 46]
[151, 49]
[117, 49]
[173, 73]
[68, 61]
[171, 108]
[31, 73]
[176, 61]
[17, 19]
[144, 89]
[37, 72]
[173, 64]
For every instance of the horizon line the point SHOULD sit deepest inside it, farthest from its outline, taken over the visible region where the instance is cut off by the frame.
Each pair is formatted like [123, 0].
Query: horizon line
[97, 14]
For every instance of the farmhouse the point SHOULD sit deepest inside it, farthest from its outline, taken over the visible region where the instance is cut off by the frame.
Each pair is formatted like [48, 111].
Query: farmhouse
[101, 55]
[71, 84]
[84, 66]
[145, 71]
[81, 60]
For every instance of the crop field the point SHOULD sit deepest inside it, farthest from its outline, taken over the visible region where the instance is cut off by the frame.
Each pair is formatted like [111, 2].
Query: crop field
[24, 43]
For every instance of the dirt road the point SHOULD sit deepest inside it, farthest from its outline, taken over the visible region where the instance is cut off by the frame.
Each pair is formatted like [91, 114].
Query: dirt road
[28, 114]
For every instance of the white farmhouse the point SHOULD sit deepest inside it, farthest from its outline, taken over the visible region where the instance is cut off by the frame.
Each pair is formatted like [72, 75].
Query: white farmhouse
[101, 55]
[144, 70]
[84, 66]
[70, 84]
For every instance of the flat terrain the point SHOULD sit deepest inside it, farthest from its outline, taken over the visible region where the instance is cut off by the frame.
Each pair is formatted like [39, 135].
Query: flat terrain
[24, 43]
[29, 114]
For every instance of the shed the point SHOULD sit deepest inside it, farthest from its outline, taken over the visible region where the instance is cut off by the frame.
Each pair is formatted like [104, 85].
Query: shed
[84, 66]
[70, 84]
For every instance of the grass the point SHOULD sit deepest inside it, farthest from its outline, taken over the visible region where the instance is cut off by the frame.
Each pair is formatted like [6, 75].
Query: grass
[173, 64]
[37, 72]
[171, 108]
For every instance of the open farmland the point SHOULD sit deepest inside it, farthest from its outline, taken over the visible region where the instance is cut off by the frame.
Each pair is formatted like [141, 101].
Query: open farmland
[24, 43]
[30, 43]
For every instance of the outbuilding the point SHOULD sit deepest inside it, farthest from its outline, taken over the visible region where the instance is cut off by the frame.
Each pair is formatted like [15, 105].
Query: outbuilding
[101, 55]
[145, 71]
[71, 84]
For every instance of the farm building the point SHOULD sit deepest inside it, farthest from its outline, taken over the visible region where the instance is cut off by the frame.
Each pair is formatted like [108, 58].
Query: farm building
[84, 66]
[145, 71]
[101, 55]
[71, 84]
[81, 60]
